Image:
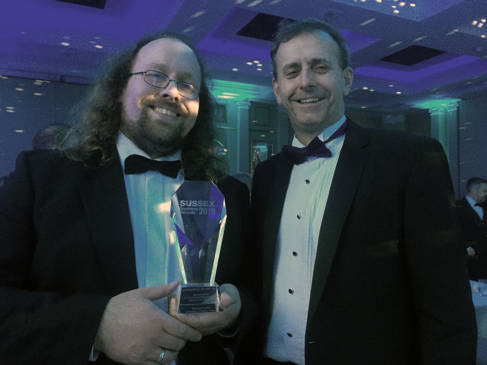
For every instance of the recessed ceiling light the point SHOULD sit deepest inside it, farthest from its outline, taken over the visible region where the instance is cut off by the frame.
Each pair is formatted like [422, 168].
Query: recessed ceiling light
[379, 1]
[275, 2]
[19, 131]
[250, 63]
[363, 107]
[198, 14]
[402, 3]
[65, 44]
[255, 61]
[412, 5]
[239, 1]
[37, 94]
[99, 46]
[480, 25]
[235, 69]
[259, 69]
[475, 22]
[371, 90]
[398, 93]
[483, 36]
[365, 88]
[10, 111]
[3, 77]
[483, 20]
[391, 85]
[19, 89]
[396, 11]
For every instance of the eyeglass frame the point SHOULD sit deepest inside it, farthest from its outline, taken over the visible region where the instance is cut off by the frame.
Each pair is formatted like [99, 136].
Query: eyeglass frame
[176, 82]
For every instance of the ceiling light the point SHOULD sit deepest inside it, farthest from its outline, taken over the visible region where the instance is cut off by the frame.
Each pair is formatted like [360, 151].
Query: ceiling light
[259, 69]
[99, 46]
[475, 22]
[239, 1]
[412, 5]
[398, 93]
[391, 85]
[483, 20]
[65, 44]
[379, 1]
[365, 88]
[371, 90]
[480, 25]
[394, 6]
[198, 14]
[369, 20]
[96, 37]
[402, 3]
[19, 89]
[38, 94]
[10, 107]
[19, 131]
[235, 69]
[249, 63]
[395, 44]
[419, 38]
[275, 2]
[483, 36]
[256, 61]
[363, 107]
[396, 11]
[254, 3]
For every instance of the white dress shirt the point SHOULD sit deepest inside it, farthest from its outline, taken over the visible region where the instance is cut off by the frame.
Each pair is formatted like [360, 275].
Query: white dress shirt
[295, 255]
[478, 209]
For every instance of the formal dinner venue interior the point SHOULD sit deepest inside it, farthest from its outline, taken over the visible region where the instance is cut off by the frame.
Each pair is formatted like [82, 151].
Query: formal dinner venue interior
[420, 66]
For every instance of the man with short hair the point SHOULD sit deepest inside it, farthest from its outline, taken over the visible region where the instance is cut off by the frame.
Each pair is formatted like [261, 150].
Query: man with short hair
[82, 230]
[354, 229]
[472, 220]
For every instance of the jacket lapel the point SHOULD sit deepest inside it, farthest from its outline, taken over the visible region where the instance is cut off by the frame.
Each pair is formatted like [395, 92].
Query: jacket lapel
[344, 184]
[105, 200]
[280, 182]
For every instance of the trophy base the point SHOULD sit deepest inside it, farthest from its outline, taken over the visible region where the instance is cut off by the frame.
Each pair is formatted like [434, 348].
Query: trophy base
[199, 298]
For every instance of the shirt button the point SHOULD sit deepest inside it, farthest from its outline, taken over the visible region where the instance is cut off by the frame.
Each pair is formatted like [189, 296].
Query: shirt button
[307, 181]
[298, 216]
[295, 253]
[289, 334]
[291, 291]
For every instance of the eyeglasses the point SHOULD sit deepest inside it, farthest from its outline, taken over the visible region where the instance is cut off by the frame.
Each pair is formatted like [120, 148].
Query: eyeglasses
[161, 81]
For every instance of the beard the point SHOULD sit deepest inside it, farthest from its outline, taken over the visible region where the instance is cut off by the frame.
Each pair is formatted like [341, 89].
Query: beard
[147, 136]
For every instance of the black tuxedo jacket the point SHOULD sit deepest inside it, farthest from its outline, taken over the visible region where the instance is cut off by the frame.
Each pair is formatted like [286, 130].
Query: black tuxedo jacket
[66, 247]
[390, 283]
[474, 234]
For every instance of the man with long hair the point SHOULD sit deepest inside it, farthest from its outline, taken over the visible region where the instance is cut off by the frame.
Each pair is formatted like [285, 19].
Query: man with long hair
[82, 248]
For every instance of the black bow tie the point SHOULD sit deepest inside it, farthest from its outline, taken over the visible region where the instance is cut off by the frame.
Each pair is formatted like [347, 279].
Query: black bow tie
[136, 164]
[315, 148]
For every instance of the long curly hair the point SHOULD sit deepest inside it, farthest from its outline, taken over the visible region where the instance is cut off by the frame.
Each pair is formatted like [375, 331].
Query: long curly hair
[92, 139]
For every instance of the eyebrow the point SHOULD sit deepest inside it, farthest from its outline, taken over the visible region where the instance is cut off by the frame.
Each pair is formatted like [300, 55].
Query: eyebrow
[163, 68]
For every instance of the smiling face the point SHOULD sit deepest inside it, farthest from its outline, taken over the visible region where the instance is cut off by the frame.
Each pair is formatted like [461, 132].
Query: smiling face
[158, 119]
[310, 84]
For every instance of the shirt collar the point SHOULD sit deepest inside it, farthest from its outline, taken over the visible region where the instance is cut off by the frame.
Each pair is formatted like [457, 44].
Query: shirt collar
[327, 132]
[470, 201]
[126, 147]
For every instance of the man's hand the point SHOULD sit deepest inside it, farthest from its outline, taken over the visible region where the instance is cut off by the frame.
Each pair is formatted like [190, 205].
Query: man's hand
[471, 251]
[133, 330]
[209, 323]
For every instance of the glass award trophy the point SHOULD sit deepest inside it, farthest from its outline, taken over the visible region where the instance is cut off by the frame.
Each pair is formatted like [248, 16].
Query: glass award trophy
[198, 215]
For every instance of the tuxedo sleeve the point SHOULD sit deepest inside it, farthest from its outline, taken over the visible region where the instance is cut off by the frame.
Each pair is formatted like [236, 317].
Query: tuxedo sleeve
[436, 264]
[37, 325]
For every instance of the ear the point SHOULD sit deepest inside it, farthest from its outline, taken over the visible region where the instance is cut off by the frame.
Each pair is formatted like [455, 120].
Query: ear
[348, 77]
[275, 86]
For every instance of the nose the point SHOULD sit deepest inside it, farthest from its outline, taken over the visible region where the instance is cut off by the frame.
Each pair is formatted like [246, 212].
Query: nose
[170, 91]
[306, 79]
